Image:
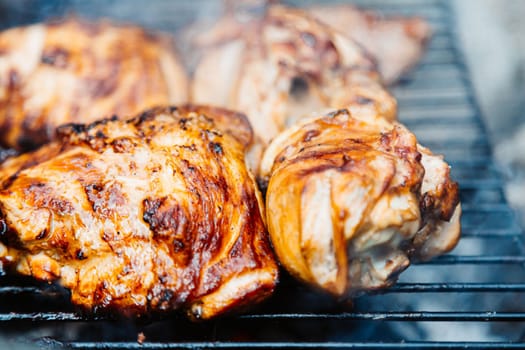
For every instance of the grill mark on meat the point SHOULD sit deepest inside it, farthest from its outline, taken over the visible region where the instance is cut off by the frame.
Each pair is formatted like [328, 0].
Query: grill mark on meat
[80, 255]
[165, 217]
[43, 196]
[105, 199]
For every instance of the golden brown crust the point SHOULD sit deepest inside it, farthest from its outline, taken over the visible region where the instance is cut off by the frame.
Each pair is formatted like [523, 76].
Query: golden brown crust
[350, 202]
[146, 215]
[81, 71]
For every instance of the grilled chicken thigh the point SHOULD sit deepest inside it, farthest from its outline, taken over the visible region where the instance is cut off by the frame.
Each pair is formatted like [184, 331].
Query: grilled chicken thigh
[79, 71]
[349, 203]
[283, 67]
[397, 43]
[147, 215]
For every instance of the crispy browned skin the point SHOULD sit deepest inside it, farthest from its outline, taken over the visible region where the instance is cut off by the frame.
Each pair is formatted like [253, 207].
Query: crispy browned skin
[350, 202]
[397, 43]
[283, 67]
[141, 216]
[79, 71]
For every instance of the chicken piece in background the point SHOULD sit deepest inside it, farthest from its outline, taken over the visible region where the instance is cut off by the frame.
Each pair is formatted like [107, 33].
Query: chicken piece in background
[282, 65]
[349, 203]
[80, 71]
[141, 216]
[396, 43]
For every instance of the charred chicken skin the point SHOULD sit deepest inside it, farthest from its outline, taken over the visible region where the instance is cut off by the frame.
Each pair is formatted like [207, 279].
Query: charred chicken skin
[397, 43]
[141, 216]
[350, 202]
[282, 67]
[79, 71]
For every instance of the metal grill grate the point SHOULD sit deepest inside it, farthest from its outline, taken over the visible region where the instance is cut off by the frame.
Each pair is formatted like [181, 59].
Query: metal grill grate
[470, 298]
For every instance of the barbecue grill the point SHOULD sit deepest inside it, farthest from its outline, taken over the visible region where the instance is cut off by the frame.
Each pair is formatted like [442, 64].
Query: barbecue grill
[471, 298]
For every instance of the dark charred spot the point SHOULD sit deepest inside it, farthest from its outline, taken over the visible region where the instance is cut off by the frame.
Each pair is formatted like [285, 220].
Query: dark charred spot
[27, 143]
[182, 123]
[57, 57]
[310, 134]
[165, 218]
[426, 204]
[94, 187]
[156, 168]
[191, 147]
[105, 200]
[101, 122]
[145, 116]
[71, 128]
[173, 109]
[309, 39]
[213, 132]
[42, 234]
[122, 145]
[299, 87]
[62, 206]
[100, 134]
[80, 255]
[216, 148]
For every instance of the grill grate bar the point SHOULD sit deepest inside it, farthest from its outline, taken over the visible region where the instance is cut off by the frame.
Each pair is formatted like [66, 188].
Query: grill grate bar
[376, 315]
[474, 259]
[399, 316]
[491, 233]
[455, 287]
[296, 345]
[398, 288]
